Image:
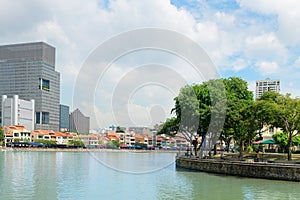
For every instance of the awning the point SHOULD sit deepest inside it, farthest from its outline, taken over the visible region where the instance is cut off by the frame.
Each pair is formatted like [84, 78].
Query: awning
[268, 142]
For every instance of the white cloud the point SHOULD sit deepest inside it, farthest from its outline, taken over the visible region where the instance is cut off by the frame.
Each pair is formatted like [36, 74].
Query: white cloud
[267, 68]
[232, 39]
[297, 62]
[265, 47]
[288, 17]
[53, 31]
[239, 64]
[252, 86]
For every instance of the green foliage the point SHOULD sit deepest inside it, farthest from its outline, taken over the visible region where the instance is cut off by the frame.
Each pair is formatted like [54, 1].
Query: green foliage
[120, 129]
[26, 140]
[1, 136]
[284, 113]
[197, 105]
[113, 144]
[170, 127]
[77, 143]
[282, 140]
[16, 140]
[240, 121]
[116, 143]
[249, 149]
[100, 142]
[141, 144]
[46, 142]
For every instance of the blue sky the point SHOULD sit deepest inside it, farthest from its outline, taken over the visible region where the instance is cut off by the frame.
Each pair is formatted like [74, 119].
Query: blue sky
[251, 39]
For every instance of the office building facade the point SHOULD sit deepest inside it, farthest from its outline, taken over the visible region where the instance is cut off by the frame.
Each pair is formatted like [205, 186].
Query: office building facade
[78, 122]
[263, 86]
[28, 70]
[17, 111]
[64, 118]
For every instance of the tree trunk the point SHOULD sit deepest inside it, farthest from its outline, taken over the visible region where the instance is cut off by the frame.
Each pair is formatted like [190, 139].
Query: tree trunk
[228, 144]
[215, 149]
[289, 146]
[241, 149]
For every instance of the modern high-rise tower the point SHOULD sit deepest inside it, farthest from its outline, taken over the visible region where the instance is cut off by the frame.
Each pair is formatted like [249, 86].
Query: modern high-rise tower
[265, 86]
[64, 118]
[79, 122]
[28, 70]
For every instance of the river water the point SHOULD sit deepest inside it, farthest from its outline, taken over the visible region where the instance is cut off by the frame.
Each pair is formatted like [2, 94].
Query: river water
[123, 175]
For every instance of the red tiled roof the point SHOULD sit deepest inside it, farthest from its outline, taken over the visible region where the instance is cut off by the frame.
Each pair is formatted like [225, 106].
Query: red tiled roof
[43, 132]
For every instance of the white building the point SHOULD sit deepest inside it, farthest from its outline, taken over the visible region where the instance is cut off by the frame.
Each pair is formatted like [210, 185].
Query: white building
[17, 111]
[265, 86]
[16, 133]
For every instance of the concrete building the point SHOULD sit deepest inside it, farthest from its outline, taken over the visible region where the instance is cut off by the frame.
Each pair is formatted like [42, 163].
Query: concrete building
[78, 122]
[17, 111]
[64, 118]
[28, 70]
[265, 86]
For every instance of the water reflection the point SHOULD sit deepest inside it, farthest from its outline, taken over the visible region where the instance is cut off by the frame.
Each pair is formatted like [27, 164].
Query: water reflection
[78, 175]
[134, 162]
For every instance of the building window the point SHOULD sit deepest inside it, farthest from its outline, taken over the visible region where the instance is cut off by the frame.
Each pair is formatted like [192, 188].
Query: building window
[37, 117]
[42, 118]
[44, 84]
[45, 117]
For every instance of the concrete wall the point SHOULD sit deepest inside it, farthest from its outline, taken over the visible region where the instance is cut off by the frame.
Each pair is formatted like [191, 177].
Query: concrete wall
[290, 172]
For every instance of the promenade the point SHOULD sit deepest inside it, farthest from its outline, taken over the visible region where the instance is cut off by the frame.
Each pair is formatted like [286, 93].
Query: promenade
[271, 167]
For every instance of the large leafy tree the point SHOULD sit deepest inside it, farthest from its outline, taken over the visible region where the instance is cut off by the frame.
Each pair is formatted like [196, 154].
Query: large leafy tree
[194, 108]
[200, 109]
[284, 112]
[240, 123]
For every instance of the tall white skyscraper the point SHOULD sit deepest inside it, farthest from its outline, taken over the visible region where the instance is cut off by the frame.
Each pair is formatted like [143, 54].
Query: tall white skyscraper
[265, 86]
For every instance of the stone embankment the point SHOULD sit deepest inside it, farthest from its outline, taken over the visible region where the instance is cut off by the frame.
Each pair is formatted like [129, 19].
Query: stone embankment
[274, 171]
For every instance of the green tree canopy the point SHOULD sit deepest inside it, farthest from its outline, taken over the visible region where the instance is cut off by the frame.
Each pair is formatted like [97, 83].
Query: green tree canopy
[284, 113]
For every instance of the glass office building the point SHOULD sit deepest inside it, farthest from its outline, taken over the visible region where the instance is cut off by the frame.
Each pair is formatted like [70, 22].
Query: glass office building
[28, 70]
[64, 118]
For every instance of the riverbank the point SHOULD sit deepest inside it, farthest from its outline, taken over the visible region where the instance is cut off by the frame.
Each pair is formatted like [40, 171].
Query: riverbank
[265, 170]
[85, 150]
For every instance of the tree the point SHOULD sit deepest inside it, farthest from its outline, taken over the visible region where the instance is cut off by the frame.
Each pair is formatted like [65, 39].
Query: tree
[205, 108]
[285, 114]
[194, 108]
[113, 144]
[240, 121]
[282, 139]
[1, 136]
[100, 142]
[120, 129]
[48, 143]
[76, 143]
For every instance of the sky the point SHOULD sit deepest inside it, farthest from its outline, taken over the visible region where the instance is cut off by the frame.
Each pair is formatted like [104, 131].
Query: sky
[123, 61]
